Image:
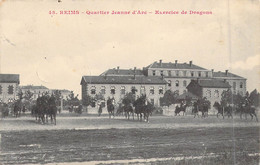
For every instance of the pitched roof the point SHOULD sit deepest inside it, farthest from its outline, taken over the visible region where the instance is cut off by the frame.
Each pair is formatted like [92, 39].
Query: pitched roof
[212, 83]
[176, 66]
[224, 74]
[187, 94]
[9, 78]
[33, 87]
[122, 80]
[124, 72]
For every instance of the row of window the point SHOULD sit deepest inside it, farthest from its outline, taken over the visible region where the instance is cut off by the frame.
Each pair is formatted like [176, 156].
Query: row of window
[10, 89]
[182, 73]
[208, 93]
[123, 90]
[177, 83]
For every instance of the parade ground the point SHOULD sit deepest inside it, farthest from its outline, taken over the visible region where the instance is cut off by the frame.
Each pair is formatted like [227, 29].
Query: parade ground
[89, 139]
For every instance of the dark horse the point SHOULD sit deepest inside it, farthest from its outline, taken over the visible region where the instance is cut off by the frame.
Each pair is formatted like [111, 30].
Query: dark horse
[202, 108]
[128, 109]
[52, 109]
[223, 110]
[247, 109]
[111, 107]
[178, 109]
[143, 108]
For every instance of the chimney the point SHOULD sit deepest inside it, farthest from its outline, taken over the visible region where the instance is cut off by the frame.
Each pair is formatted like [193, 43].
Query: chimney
[118, 69]
[212, 70]
[176, 61]
[190, 63]
[160, 62]
[226, 72]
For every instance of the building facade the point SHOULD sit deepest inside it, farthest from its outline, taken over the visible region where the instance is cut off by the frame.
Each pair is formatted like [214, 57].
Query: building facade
[211, 89]
[9, 84]
[176, 76]
[117, 86]
[36, 90]
[237, 83]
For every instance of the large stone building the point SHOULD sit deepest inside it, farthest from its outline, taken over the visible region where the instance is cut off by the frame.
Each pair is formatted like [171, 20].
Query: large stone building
[36, 90]
[9, 87]
[237, 83]
[166, 76]
[178, 75]
[117, 86]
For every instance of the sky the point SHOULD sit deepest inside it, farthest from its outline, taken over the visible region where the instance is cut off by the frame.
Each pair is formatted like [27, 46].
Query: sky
[57, 50]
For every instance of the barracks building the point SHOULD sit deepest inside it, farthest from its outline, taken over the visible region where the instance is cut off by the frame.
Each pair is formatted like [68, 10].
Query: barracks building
[158, 77]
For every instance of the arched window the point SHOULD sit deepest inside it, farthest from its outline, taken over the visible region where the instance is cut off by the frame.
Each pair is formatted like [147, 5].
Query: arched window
[93, 90]
[192, 74]
[234, 85]
[169, 73]
[184, 83]
[122, 90]
[152, 90]
[153, 72]
[176, 83]
[208, 93]
[169, 83]
[113, 90]
[103, 90]
[199, 74]
[10, 89]
[133, 90]
[161, 72]
[241, 85]
[216, 93]
[142, 90]
[160, 90]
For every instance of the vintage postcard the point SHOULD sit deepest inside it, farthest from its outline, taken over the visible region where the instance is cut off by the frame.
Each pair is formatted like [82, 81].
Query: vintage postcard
[129, 82]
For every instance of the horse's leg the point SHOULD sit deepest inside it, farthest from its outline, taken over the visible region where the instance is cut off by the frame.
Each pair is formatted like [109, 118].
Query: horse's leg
[255, 116]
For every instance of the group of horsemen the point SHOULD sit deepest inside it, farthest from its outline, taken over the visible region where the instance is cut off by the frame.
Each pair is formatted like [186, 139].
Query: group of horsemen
[228, 110]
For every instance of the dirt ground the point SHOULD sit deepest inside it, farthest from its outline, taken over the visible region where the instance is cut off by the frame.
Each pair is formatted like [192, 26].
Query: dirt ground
[90, 139]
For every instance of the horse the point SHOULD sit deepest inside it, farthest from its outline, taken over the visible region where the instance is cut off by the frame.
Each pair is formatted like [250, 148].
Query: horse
[143, 108]
[128, 109]
[203, 109]
[111, 107]
[248, 109]
[52, 109]
[223, 110]
[178, 109]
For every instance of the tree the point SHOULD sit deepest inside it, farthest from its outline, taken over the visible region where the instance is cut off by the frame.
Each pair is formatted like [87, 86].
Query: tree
[28, 97]
[86, 101]
[72, 99]
[254, 98]
[168, 98]
[128, 99]
[58, 97]
[226, 98]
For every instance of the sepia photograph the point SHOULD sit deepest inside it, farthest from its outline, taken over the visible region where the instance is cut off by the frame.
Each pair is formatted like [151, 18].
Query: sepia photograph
[130, 82]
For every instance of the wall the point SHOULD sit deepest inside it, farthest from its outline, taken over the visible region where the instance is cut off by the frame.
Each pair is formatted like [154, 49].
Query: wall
[4, 96]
